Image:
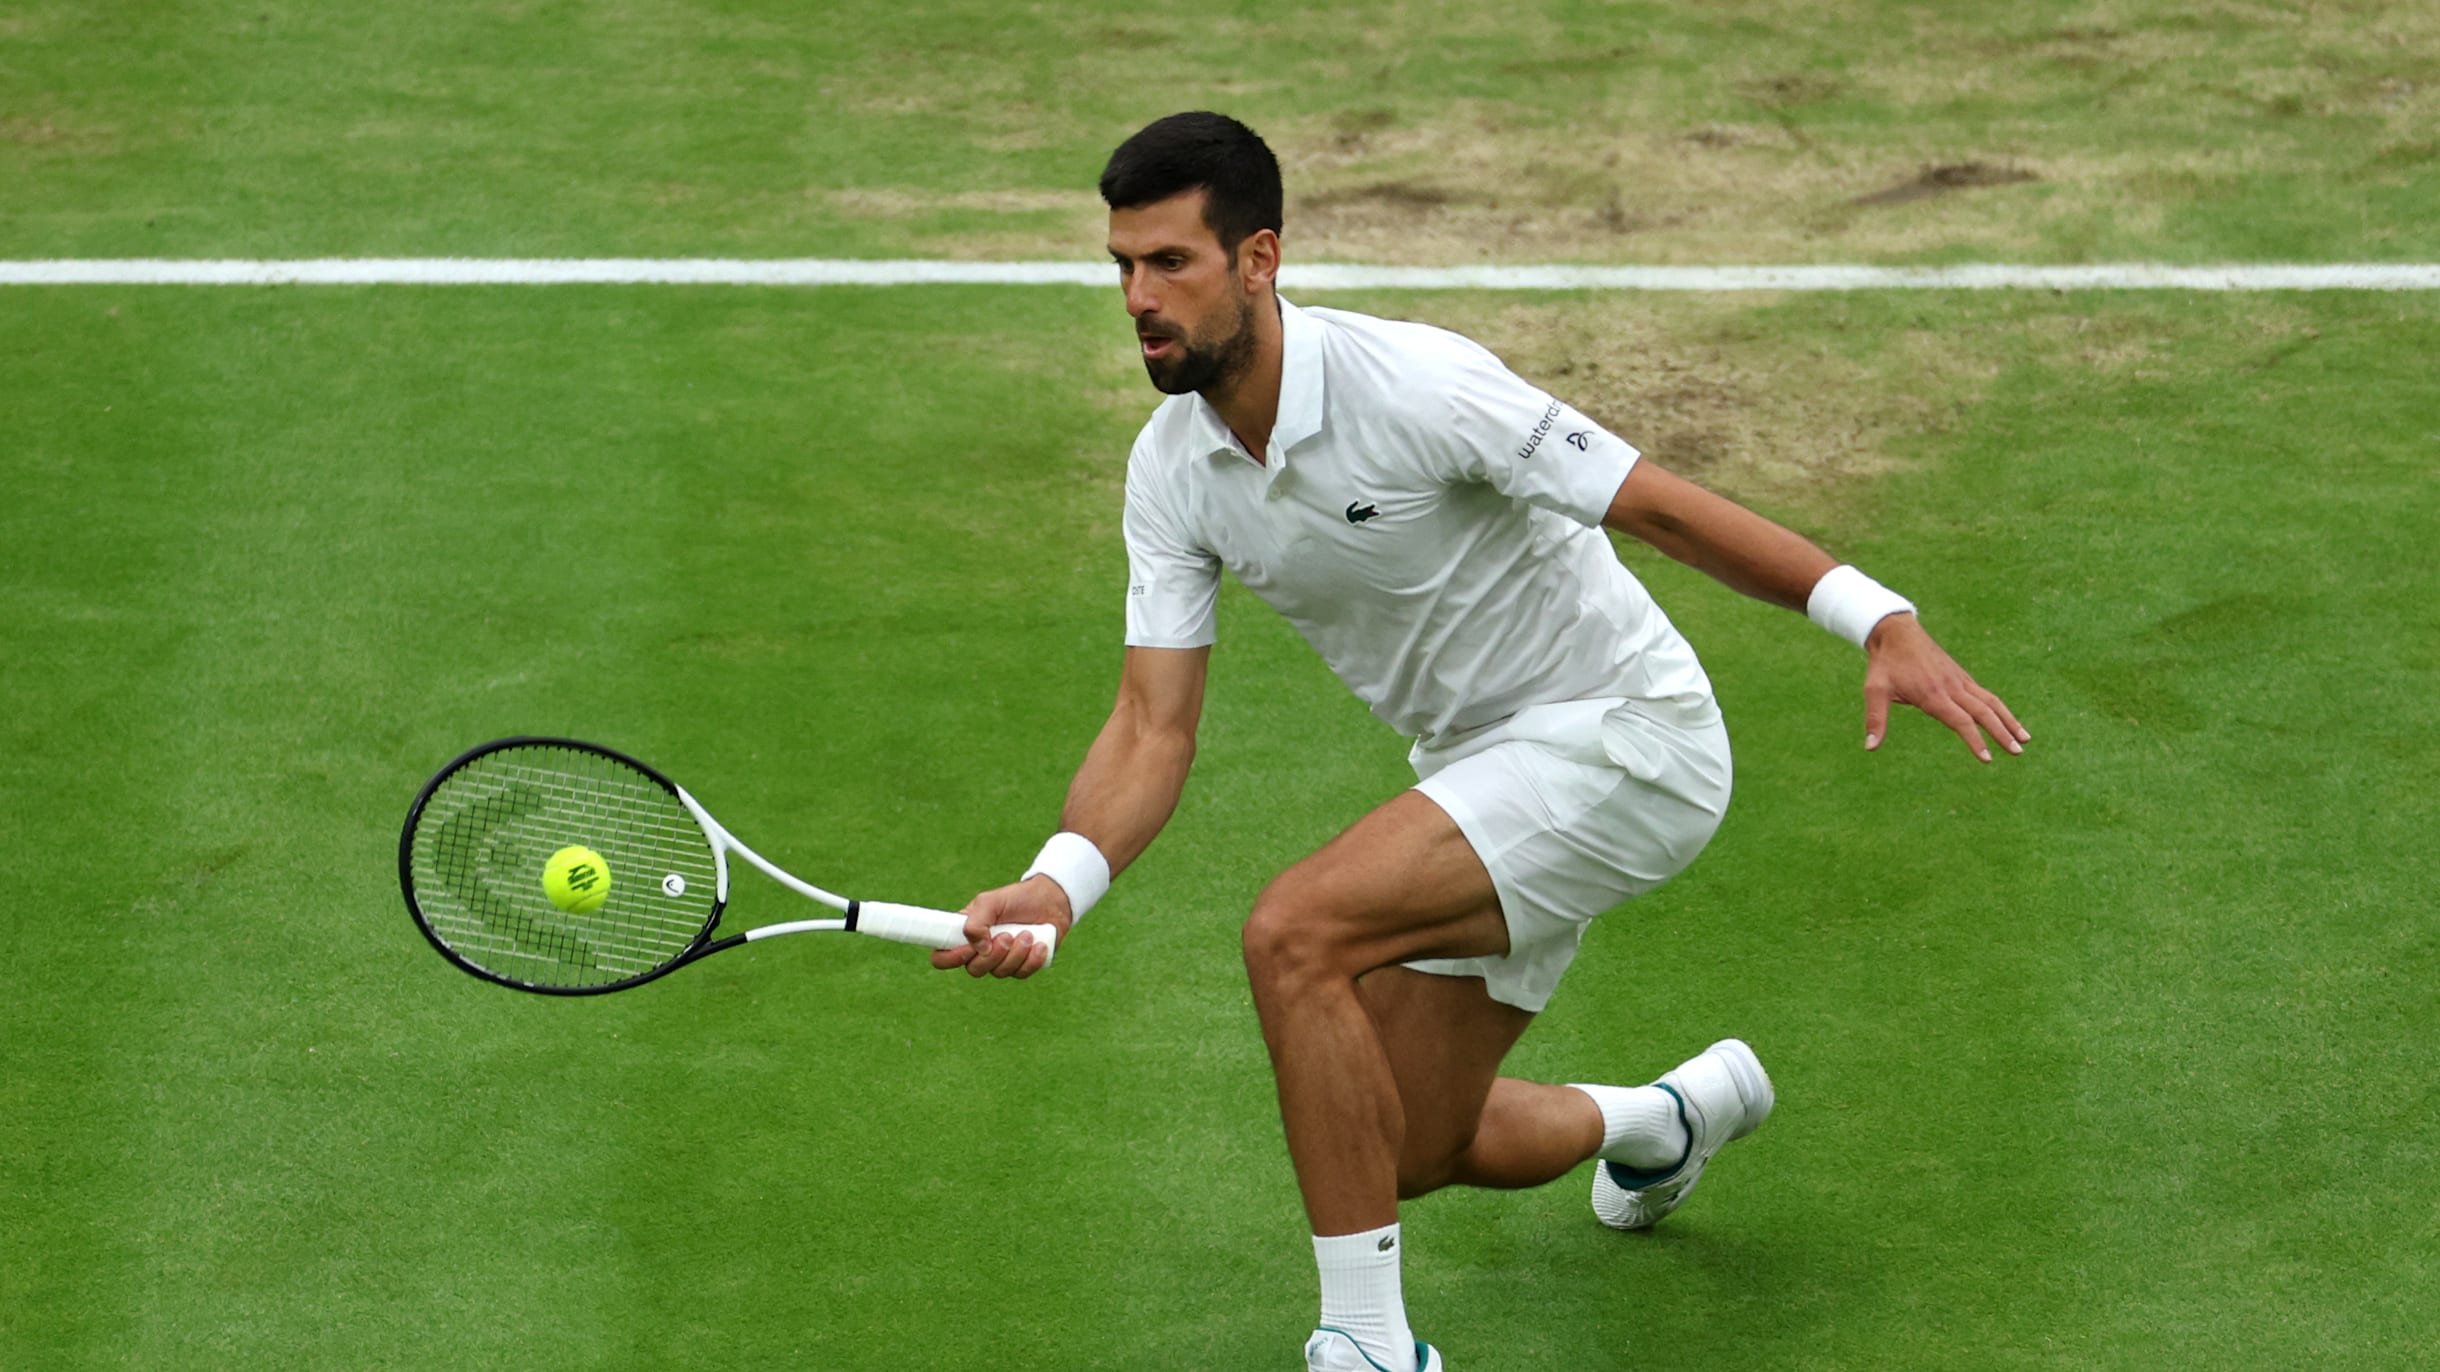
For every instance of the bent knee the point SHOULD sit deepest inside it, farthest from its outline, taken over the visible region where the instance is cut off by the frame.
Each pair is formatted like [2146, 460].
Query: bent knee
[1288, 938]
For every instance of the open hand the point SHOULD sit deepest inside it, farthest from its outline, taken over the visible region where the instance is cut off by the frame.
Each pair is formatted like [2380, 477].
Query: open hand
[1908, 667]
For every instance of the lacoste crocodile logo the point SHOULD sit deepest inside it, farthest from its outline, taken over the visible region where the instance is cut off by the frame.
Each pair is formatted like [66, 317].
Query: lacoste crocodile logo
[1358, 514]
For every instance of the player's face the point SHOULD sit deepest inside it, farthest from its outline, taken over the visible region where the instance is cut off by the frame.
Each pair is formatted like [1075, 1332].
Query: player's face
[1193, 309]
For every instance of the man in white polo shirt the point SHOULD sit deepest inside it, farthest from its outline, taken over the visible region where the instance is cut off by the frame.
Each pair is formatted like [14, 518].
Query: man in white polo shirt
[1432, 524]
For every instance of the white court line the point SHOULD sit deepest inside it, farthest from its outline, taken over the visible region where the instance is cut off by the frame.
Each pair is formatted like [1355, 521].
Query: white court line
[708, 271]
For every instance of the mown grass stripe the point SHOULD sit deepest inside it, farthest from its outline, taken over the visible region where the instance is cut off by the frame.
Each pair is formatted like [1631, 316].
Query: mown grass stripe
[474, 271]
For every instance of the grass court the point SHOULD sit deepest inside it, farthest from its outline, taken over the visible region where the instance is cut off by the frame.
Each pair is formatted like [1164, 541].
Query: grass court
[2117, 1055]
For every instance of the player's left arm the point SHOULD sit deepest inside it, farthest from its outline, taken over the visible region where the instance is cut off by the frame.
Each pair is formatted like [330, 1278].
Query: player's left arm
[1765, 560]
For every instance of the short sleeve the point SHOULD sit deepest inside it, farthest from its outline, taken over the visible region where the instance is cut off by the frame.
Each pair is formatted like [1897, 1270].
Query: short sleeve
[1512, 434]
[1172, 582]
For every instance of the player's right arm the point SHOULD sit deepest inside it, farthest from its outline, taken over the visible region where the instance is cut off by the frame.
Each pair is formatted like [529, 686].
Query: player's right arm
[1125, 791]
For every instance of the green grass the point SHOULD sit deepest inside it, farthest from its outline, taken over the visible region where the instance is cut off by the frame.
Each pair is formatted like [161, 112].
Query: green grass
[2113, 1056]
[2105, 1057]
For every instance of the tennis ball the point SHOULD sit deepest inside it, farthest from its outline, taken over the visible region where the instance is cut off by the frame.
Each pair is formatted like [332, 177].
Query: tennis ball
[576, 879]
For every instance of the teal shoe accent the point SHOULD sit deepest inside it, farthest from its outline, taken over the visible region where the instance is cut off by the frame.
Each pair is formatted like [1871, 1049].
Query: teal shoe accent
[1423, 1351]
[1630, 1179]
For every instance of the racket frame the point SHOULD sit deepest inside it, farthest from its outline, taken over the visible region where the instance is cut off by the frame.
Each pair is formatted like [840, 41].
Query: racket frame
[891, 922]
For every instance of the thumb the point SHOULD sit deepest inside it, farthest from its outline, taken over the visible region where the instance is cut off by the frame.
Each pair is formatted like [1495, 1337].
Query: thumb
[1876, 713]
[981, 913]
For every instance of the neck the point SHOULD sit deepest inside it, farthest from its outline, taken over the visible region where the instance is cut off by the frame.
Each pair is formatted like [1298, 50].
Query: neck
[1247, 400]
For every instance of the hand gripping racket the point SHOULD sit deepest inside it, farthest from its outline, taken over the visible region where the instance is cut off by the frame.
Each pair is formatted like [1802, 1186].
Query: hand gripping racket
[472, 856]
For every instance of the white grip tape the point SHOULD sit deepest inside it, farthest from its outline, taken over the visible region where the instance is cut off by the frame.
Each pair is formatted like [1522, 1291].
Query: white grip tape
[1849, 604]
[936, 928]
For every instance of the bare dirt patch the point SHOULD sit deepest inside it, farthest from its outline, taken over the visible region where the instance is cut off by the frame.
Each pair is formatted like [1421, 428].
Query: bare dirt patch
[1804, 132]
[1707, 390]
[1473, 187]
[1940, 180]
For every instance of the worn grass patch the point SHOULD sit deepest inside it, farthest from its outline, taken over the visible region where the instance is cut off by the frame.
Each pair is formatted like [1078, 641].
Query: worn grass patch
[1411, 132]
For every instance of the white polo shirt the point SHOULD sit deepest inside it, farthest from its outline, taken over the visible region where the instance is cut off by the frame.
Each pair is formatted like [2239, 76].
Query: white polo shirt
[1428, 520]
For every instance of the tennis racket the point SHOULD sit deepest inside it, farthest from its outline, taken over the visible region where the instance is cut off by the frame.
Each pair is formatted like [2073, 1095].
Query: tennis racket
[472, 855]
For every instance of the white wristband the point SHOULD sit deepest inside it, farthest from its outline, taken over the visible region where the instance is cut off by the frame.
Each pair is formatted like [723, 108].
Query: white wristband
[1071, 860]
[1849, 603]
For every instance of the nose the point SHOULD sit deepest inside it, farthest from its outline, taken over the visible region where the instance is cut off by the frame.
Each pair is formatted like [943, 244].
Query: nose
[1140, 299]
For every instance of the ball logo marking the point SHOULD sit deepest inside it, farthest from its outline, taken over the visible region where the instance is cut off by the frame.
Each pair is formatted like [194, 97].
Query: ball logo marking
[576, 879]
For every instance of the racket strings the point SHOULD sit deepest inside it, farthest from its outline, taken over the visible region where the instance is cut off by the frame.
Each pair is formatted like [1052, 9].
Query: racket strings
[485, 833]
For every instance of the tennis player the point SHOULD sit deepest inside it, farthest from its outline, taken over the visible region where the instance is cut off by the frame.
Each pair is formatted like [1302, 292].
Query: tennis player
[1432, 524]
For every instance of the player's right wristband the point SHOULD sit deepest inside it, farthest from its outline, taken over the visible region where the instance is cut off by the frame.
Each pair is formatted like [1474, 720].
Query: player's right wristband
[1848, 603]
[1071, 860]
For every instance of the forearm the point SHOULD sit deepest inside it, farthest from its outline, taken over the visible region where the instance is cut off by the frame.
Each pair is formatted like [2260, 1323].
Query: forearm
[1128, 785]
[1720, 538]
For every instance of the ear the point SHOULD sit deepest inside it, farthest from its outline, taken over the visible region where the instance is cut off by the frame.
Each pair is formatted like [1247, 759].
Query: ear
[1258, 261]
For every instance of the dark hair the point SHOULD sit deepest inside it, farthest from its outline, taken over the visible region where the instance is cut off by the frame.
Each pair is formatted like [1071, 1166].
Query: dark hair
[1200, 151]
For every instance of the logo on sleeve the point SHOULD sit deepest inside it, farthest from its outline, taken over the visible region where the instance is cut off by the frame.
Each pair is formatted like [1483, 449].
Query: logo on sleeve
[1358, 514]
[1581, 440]
[1540, 432]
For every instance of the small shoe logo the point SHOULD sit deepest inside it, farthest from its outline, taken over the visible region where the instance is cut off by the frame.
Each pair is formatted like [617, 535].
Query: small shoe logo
[1388, 1242]
[1358, 514]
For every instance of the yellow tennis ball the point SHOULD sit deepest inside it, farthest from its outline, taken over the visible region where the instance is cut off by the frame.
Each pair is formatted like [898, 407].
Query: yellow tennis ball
[576, 879]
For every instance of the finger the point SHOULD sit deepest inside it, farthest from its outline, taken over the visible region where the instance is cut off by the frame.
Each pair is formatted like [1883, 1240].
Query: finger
[1979, 706]
[1876, 713]
[946, 958]
[2015, 730]
[980, 914]
[1012, 954]
[1952, 714]
[985, 958]
[1036, 956]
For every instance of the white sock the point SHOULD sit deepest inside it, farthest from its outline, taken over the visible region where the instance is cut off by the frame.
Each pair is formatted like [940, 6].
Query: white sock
[1361, 1294]
[1640, 1126]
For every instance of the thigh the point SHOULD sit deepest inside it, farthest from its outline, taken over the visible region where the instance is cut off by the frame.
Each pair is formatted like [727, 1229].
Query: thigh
[1400, 883]
[1445, 1038]
[1566, 835]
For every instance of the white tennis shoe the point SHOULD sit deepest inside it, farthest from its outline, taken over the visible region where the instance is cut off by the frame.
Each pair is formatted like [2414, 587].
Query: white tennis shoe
[1329, 1350]
[1722, 1094]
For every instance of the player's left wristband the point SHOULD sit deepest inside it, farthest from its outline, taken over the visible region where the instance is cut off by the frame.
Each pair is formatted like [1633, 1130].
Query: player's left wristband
[1849, 603]
[1071, 860]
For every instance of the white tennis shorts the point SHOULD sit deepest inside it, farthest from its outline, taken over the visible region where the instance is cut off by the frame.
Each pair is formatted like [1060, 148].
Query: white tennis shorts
[1573, 807]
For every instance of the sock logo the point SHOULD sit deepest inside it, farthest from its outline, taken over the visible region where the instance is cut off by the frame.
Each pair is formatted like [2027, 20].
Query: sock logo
[1388, 1242]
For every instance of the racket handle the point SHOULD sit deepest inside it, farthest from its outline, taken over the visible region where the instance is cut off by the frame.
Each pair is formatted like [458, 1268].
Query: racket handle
[936, 928]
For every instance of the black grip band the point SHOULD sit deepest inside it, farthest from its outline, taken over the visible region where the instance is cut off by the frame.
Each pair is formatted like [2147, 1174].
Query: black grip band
[853, 908]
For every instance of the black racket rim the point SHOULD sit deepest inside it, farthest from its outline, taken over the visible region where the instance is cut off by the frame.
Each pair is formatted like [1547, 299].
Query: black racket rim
[701, 947]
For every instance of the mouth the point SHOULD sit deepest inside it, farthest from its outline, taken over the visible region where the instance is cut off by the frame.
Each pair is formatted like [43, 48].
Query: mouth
[1156, 344]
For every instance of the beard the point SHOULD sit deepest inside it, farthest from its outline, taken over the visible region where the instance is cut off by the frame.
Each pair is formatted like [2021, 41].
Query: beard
[1201, 360]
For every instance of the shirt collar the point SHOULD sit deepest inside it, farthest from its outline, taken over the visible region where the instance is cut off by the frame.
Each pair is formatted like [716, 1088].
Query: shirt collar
[1301, 384]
